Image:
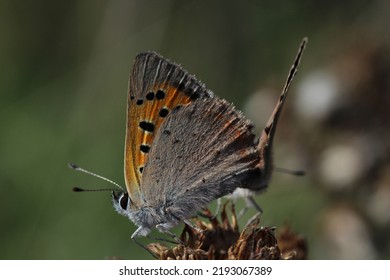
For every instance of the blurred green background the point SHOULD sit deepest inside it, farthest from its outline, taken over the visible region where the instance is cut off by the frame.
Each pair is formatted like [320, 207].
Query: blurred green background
[63, 85]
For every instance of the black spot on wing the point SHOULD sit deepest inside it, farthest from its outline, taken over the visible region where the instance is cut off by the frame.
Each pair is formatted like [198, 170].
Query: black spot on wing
[147, 126]
[145, 148]
[150, 96]
[163, 112]
[160, 94]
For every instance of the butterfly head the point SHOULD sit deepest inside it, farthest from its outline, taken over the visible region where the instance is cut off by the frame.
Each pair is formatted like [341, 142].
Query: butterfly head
[121, 202]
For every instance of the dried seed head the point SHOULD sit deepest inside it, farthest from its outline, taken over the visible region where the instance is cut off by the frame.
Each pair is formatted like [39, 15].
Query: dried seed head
[223, 240]
[292, 246]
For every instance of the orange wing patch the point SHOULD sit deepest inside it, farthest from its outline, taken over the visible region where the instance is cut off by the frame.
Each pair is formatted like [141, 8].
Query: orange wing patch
[144, 118]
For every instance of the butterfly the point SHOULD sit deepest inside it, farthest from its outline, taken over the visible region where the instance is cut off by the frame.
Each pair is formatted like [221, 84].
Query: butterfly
[186, 147]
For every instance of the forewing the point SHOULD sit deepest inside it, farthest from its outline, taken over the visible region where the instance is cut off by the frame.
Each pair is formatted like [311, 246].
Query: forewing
[156, 87]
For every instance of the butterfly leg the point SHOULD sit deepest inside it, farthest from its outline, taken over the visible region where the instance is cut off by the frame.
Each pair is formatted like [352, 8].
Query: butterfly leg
[242, 212]
[162, 239]
[191, 225]
[143, 247]
[141, 231]
[164, 228]
[250, 202]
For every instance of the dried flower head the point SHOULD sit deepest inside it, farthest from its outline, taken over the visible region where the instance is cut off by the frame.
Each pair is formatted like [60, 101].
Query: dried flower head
[223, 240]
[292, 246]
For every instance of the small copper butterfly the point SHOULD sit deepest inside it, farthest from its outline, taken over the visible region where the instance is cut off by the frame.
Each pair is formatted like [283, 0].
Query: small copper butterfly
[186, 147]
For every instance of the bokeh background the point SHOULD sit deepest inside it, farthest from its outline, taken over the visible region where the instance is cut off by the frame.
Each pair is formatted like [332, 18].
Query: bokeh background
[63, 88]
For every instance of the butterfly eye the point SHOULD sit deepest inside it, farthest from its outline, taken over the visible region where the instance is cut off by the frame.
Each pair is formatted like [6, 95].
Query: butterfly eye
[124, 200]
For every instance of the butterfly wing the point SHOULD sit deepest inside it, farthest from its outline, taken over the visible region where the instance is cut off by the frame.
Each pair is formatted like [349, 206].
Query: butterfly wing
[268, 133]
[156, 87]
[205, 150]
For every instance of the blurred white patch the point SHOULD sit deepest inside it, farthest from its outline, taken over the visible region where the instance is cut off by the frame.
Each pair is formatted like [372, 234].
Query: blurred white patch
[347, 235]
[341, 166]
[317, 95]
[378, 206]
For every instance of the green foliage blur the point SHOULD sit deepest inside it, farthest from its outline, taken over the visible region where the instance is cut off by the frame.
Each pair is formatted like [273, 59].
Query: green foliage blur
[63, 89]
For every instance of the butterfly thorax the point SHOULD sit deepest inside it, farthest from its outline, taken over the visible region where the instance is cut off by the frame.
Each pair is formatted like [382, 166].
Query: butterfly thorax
[150, 217]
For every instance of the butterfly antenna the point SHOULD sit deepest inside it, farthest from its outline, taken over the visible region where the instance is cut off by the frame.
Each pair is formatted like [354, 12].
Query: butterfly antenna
[289, 171]
[77, 189]
[266, 138]
[77, 168]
